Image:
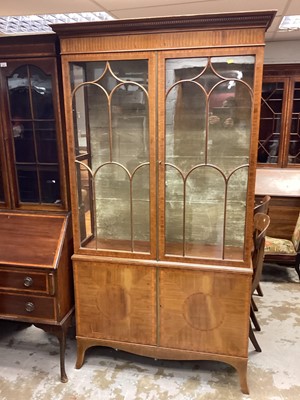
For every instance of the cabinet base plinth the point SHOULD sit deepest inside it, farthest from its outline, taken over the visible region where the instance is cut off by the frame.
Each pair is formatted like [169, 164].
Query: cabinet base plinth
[163, 353]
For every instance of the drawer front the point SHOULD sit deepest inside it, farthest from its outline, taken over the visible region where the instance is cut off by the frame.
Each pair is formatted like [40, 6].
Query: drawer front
[25, 281]
[27, 306]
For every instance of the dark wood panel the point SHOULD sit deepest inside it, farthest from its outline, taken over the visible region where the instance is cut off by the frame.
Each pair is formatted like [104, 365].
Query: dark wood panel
[28, 46]
[200, 312]
[283, 213]
[29, 239]
[26, 306]
[116, 301]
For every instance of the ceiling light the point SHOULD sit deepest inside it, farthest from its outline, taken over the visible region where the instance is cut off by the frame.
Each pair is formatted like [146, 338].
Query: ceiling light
[40, 23]
[290, 23]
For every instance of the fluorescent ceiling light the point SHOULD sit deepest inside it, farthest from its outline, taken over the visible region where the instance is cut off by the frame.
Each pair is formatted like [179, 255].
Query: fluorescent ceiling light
[40, 23]
[290, 22]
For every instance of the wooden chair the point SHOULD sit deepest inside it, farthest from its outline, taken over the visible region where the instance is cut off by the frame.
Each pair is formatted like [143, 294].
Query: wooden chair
[261, 224]
[261, 207]
[284, 251]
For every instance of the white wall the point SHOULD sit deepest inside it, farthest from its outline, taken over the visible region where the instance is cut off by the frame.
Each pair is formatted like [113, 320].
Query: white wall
[283, 52]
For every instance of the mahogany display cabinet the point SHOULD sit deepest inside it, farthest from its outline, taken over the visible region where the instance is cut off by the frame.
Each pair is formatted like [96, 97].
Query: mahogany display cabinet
[35, 224]
[162, 117]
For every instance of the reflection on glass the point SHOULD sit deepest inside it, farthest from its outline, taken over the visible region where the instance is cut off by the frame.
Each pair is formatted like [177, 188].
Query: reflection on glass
[41, 94]
[208, 127]
[18, 86]
[111, 127]
[34, 135]
[50, 185]
[24, 142]
[294, 147]
[235, 68]
[270, 122]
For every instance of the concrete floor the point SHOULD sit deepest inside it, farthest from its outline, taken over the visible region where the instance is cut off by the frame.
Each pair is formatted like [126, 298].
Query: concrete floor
[29, 361]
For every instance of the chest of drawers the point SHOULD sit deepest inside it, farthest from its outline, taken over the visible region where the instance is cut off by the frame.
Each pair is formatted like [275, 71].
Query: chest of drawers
[35, 273]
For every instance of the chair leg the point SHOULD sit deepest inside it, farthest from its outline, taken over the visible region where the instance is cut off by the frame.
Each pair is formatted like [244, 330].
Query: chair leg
[254, 319]
[253, 304]
[297, 265]
[253, 340]
[259, 290]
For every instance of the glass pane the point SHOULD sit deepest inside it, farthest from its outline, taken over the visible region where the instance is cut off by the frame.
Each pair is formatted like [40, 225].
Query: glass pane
[24, 142]
[77, 73]
[41, 93]
[19, 100]
[235, 214]
[84, 201]
[174, 209]
[130, 126]
[111, 127]
[205, 188]
[98, 121]
[208, 128]
[294, 146]
[229, 127]
[237, 68]
[140, 209]
[28, 184]
[113, 212]
[270, 122]
[46, 142]
[185, 122]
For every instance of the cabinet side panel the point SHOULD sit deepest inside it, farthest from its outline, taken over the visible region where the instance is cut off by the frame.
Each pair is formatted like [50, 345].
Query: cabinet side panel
[115, 301]
[204, 311]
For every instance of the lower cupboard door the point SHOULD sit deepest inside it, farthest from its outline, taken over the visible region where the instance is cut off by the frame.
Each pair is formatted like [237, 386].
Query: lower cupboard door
[115, 302]
[204, 311]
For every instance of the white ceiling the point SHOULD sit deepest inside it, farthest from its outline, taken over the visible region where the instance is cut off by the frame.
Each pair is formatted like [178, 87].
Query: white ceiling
[149, 8]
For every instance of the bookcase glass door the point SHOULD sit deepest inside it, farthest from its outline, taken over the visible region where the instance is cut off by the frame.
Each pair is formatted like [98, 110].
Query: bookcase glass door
[34, 136]
[110, 105]
[208, 104]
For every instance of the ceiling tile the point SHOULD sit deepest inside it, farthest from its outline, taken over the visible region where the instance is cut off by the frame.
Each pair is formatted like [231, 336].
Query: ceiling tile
[127, 8]
[32, 7]
[293, 8]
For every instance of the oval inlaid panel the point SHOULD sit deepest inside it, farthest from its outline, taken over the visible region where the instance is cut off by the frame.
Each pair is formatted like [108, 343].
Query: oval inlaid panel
[115, 303]
[203, 312]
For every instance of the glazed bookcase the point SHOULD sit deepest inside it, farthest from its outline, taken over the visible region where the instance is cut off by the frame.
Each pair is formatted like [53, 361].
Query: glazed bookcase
[36, 285]
[162, 182]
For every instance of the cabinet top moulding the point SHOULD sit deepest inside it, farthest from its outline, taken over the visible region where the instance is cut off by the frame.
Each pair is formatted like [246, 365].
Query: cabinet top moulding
[217, 30]
[246, 20]
[44, 45]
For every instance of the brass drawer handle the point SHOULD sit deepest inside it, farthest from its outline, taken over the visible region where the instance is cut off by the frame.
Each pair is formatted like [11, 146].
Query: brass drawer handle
[29, 307]
[28, 281]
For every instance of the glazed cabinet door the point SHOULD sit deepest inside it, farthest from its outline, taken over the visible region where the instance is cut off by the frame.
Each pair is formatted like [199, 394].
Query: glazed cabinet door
[204, 154]
[31, 129]
[113, 163]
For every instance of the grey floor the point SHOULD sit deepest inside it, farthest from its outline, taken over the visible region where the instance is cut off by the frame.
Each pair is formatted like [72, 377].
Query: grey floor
[29, 366]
